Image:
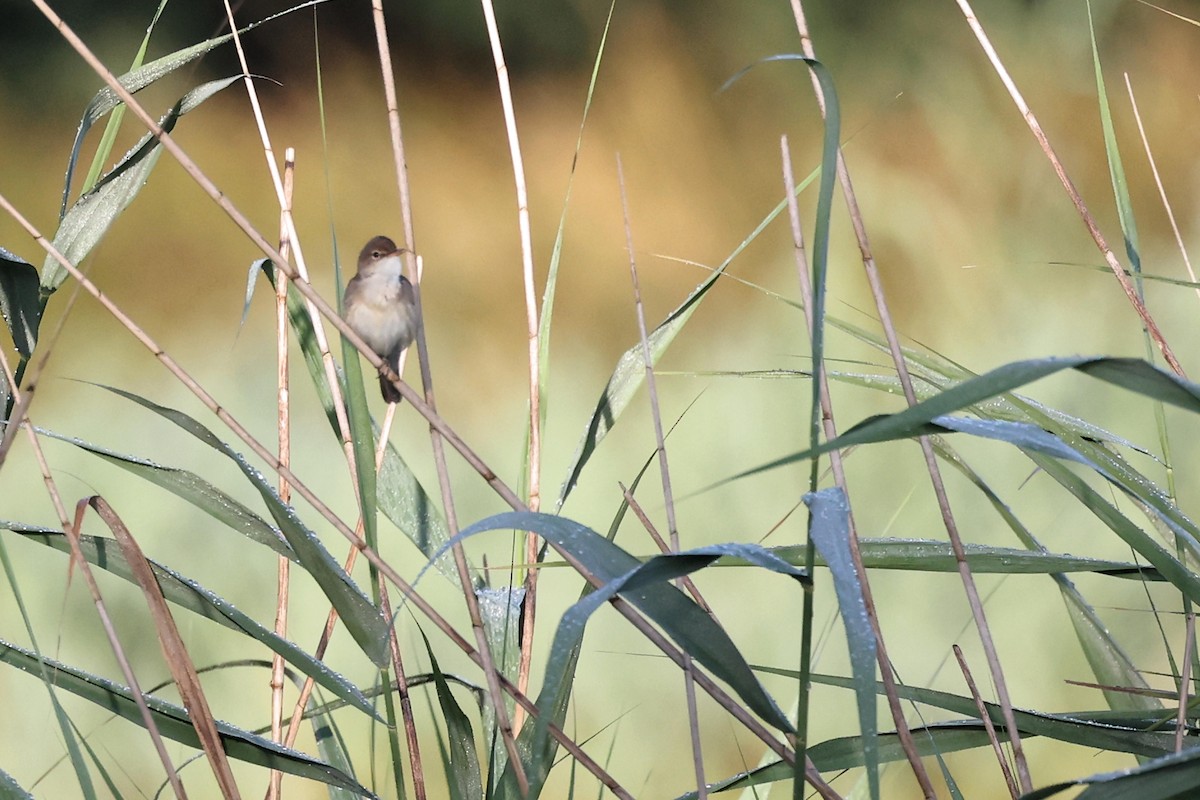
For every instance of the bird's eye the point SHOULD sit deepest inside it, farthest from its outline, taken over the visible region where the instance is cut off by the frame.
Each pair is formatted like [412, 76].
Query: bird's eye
[376, 254]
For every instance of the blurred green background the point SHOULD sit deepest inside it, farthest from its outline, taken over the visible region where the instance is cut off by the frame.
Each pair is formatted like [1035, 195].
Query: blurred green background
[982, 256]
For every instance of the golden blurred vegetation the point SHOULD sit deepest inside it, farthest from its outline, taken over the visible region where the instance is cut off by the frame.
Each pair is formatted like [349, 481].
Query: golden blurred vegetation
[982, 256]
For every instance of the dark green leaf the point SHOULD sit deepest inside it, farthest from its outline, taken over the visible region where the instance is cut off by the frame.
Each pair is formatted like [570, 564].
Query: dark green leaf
[830, 532]
[646, 587]
[195, 490]
[94, 213]
[19, 301]
[172, 720]
[186, 593]
[362, 619]
[462, 771]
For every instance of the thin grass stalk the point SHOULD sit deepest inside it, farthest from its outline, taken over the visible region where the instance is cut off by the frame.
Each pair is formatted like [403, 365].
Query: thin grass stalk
[1187, 262]
[534, 480]
[439, 456]
[283, 399]
[416, 401]
[488, 663]
[689, 680]
[804, 689]
[1185, 682]
[531, 309]
[379, 597]
[931, 463]
[986, 718]
[1129, 228]
[1162, 192]
[1089, 221]
[837, 467]
[685, 581]
[331, 618]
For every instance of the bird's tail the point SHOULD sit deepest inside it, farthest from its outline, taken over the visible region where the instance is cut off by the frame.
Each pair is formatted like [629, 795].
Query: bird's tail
[390, 393]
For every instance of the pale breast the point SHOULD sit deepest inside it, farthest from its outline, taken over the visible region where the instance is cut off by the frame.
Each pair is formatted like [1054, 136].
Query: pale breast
[381, 311]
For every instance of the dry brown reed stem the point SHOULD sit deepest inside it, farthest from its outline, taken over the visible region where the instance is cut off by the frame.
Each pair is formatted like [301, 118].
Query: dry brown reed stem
[283, 402]
[491, 673]
[20, 419]
[1185, 680]
[1089, 221]
[689, 680]
[402, 692]
[179, 662]
[837, 467]
[531, 309]
[663, 547]
[418, 404]
[73, 532]
[987, 722]
[1162, 192]
[931, 463]
[292, 237]
[534, 480]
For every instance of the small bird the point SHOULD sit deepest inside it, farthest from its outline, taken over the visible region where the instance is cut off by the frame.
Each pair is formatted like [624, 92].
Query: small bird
[380, 306]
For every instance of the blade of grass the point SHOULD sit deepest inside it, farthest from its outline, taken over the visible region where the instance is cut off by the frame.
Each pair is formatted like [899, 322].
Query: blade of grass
[134, 81]
[174, 653]
[109, 137]
[186, 593]
[172, 720]
[93, 214]
[192, 488]
[462, 776]
[829, 532]
[366, 625]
